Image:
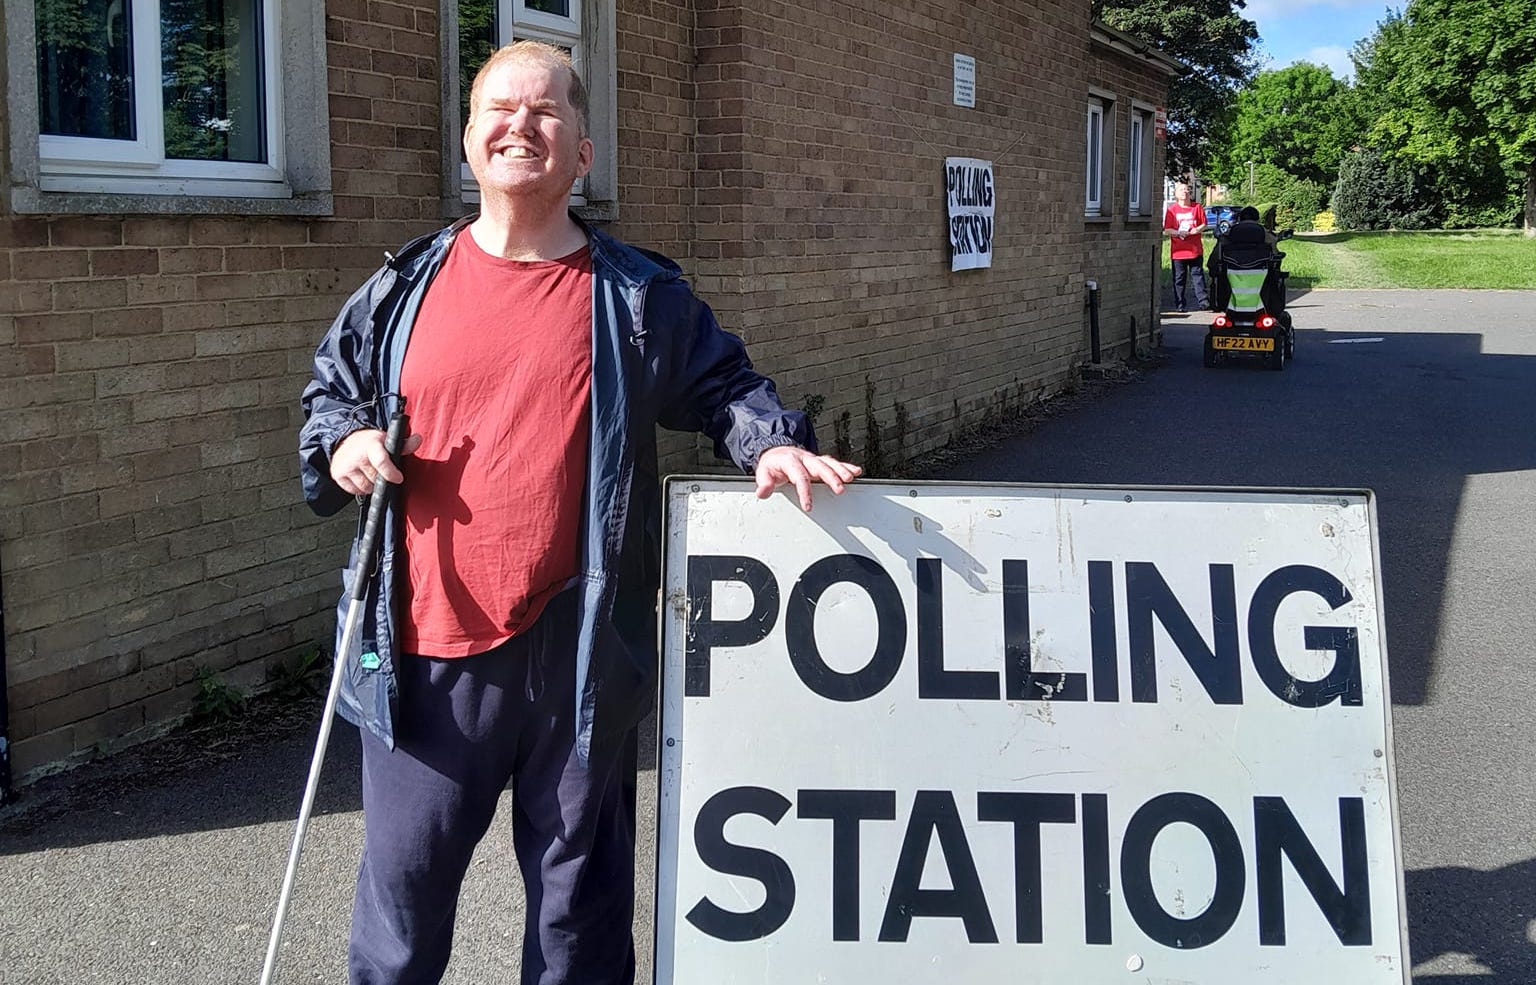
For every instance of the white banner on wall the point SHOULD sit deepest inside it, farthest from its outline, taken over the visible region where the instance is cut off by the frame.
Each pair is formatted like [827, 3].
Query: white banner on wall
[970, 193]
[950, 733]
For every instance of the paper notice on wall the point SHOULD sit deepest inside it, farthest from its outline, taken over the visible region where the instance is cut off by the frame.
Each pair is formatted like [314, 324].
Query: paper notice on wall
[965, 80]
[970, 192]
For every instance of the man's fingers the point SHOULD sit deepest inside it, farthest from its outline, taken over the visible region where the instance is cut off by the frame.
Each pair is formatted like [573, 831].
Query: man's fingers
[845, 471]
[802, 469]
[796, 475]
[360, 461]
[380, 466]
[821, 468]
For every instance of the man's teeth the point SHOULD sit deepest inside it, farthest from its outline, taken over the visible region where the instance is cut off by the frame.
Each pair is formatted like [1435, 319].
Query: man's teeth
[517, 152]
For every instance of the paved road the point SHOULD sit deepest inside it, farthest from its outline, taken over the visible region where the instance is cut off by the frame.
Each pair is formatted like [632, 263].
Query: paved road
[149, 871]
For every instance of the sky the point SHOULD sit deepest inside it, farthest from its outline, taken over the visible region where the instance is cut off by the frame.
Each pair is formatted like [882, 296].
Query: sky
[1316, 31]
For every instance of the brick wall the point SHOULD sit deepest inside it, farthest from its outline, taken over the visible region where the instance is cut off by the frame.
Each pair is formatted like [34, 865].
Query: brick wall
[150, 367]
[788, 156]
[659, 177]
[1122, 253]
[822, 131]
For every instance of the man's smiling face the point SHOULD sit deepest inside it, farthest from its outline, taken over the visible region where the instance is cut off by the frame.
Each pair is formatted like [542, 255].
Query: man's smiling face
[524, 139]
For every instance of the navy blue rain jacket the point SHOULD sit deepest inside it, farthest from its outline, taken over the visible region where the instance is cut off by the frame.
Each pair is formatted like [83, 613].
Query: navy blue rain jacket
[658, 357]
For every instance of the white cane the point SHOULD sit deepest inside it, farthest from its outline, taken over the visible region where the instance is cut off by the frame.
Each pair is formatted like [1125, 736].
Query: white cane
[367, 552]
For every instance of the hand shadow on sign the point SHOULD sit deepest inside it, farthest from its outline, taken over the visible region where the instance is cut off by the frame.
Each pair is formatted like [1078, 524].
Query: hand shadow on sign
[911, 535]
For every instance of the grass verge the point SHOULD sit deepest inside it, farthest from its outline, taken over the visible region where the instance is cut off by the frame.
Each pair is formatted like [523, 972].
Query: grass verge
[1486, 259]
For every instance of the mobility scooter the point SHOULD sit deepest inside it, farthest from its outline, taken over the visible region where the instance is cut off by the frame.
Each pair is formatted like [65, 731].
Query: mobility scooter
[1248, 291]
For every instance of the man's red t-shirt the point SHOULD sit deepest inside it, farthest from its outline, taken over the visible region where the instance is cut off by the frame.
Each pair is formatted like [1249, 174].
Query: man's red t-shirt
[497, 379]
[1184, 218]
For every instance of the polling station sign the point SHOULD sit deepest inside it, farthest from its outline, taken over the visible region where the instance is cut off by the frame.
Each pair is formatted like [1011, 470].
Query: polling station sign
[943, 733]
[971, 209]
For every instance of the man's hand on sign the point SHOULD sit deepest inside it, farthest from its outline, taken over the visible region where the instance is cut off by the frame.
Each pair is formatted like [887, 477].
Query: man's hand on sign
[801, 468]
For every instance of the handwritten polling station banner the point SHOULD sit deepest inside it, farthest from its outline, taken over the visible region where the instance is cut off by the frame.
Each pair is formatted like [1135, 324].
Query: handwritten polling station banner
[936, 733]
[971, 209]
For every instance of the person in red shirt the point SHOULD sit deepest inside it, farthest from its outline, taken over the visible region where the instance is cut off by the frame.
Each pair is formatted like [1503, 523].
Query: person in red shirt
[516, 591]
[1183, 223]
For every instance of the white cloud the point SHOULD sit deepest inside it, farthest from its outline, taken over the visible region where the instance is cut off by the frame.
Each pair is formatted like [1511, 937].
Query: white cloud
[1262, 10]
[1331, 57]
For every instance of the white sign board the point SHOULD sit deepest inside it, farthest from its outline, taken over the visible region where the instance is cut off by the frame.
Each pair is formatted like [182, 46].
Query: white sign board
[971, 208]
[1013, 734]
[965, 80]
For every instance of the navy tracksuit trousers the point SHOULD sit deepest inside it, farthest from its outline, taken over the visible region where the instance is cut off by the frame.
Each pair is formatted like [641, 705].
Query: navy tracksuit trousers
[466, 728]
[1185, 271]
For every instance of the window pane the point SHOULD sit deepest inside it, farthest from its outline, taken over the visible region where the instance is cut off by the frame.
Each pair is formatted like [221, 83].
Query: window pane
[560, 8]
[477, 39]
[1135, 159]
[211, 62]
[1095, 122]
[85, 68]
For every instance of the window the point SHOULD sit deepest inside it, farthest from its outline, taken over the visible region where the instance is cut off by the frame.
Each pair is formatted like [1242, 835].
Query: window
[101, 114]
[485, 25]
[1133, 171]
[176, 98]
[1139, 163]
[1095, 162]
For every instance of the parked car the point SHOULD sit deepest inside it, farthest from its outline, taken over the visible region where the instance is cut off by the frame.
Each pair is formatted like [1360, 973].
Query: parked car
[1220, 218]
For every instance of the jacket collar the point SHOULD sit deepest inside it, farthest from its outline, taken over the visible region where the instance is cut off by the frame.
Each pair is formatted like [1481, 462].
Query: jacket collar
[633, 266]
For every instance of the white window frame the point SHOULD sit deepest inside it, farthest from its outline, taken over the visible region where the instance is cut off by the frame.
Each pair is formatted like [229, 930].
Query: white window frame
[1093, 163]
[1133, 165]
[88, 164]
[589, 33]
[1139, 160]
[62, 174]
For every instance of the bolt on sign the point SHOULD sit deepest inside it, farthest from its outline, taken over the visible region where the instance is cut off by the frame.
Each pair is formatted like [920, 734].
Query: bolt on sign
[951, 733]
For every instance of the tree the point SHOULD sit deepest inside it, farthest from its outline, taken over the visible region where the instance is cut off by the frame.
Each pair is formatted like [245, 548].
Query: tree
[1375, 193]
[1299, 118]
[1458, 87]
[1214, 39]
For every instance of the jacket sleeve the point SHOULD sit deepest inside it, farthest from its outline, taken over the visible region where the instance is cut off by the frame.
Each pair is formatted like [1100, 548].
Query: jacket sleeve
[339, 399]
[712, 388]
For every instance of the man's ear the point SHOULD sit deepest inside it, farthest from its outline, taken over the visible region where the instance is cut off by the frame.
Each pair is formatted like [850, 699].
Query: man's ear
[585, 152]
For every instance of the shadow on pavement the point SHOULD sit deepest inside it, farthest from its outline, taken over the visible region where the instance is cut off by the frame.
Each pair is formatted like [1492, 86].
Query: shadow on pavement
[201, 780]
[1449, 913]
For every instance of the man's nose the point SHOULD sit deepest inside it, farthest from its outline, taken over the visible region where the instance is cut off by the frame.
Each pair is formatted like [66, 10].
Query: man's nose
[522, 120]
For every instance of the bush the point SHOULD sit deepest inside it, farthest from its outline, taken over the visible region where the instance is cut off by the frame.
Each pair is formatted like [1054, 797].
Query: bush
[1294, 200]
[1459, 215]
[1323, 222]
[1375, 193]
[1298, 203]
[1267, 211]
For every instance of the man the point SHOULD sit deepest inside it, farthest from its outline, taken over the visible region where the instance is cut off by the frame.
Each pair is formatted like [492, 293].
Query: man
[511, 624]
[1183, 222]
